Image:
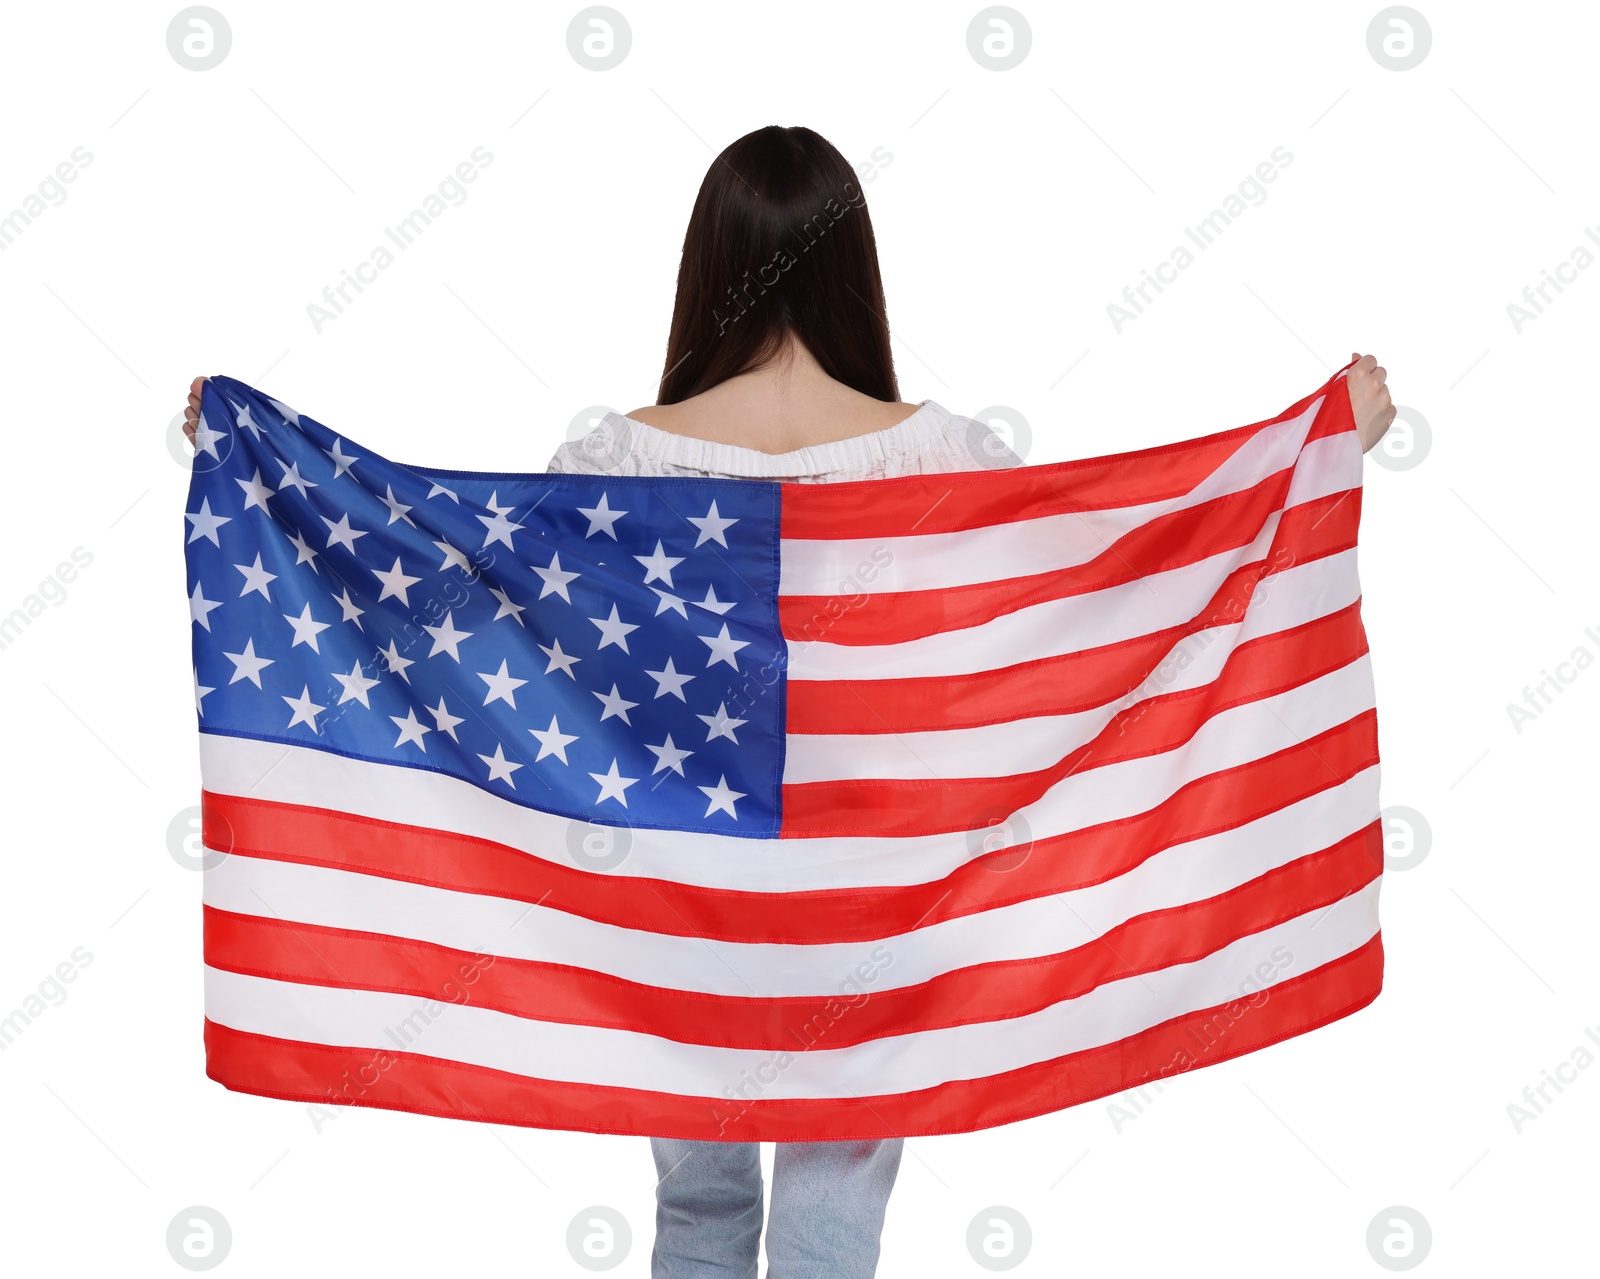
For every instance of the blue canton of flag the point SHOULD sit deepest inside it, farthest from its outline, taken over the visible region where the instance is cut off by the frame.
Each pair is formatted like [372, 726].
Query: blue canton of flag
[603, 648]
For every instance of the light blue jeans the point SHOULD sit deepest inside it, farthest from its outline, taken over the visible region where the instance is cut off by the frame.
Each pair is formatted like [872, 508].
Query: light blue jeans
[828, 1201]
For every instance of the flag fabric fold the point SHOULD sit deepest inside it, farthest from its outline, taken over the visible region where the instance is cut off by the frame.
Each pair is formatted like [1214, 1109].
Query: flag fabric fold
[745, 810]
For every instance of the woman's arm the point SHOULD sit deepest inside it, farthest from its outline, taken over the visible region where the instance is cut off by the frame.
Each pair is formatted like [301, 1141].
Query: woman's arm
[1369, 399]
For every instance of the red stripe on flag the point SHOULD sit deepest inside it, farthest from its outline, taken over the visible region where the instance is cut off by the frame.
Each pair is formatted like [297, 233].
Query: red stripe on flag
[320, 956]
[904, 807]
[409, 1081]
[1315, 528]
[974, 499]
[441, 859]
[1049, 686]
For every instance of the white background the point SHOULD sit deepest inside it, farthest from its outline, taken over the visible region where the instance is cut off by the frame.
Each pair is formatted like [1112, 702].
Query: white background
[1016, 205]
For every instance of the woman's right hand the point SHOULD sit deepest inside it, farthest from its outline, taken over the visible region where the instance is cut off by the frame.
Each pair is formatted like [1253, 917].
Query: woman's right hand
[191, 414]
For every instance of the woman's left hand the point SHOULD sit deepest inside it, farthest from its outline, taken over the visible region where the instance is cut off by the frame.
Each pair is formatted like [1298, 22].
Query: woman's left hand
[1369, 399]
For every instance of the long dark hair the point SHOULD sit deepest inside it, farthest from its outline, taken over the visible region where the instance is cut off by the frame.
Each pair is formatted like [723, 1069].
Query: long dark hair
[779, 243]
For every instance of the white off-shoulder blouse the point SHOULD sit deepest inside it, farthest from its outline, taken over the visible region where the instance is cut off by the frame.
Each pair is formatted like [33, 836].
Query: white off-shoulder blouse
[931, 440]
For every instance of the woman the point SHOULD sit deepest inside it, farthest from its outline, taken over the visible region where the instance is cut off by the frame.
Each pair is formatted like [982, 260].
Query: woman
[778, 366]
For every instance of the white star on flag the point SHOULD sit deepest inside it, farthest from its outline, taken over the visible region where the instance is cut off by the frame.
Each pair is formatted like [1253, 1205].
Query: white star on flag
[499, 528]
[200, 691]
[446, 639]
[613, 785]
[723, 647]
[659, 564]
[507, 608]
[555, 579]
[347, 606]
[669, 681]
[395, 582]
[305, 710]
[721, 724]
[559, 661]
[453, 558]
[303, 552]
[711, 603]
[205, 439]
[613, 630]
[711, 526]
[292, 478]
[255, 578]
[668, 756]
[247, 423]
[200, 607]
[247, 665]
[721, 797]
[552, 741]
[256, 493]
[341, 463]
[341, 534]
[306, 628]
[669, 601]
[444, 720]
[601, 518]
[615, 704]
[411, 730]
[502, 686]
[205, 523]
[396, 510]
[394, 661]
[356, 685]
[500, 768]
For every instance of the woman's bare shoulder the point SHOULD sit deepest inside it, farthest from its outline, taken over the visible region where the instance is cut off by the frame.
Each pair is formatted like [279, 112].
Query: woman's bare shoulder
[654, 414]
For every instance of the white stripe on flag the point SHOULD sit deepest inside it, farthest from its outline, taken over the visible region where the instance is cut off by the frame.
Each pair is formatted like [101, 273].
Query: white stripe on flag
[303, 775]
[597, 1055]
[1047, 925]
[1068, 625]
[1282, 601]
[936, 561]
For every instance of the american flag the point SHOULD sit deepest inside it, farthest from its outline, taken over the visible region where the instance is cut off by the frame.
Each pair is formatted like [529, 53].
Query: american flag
[744, 810]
